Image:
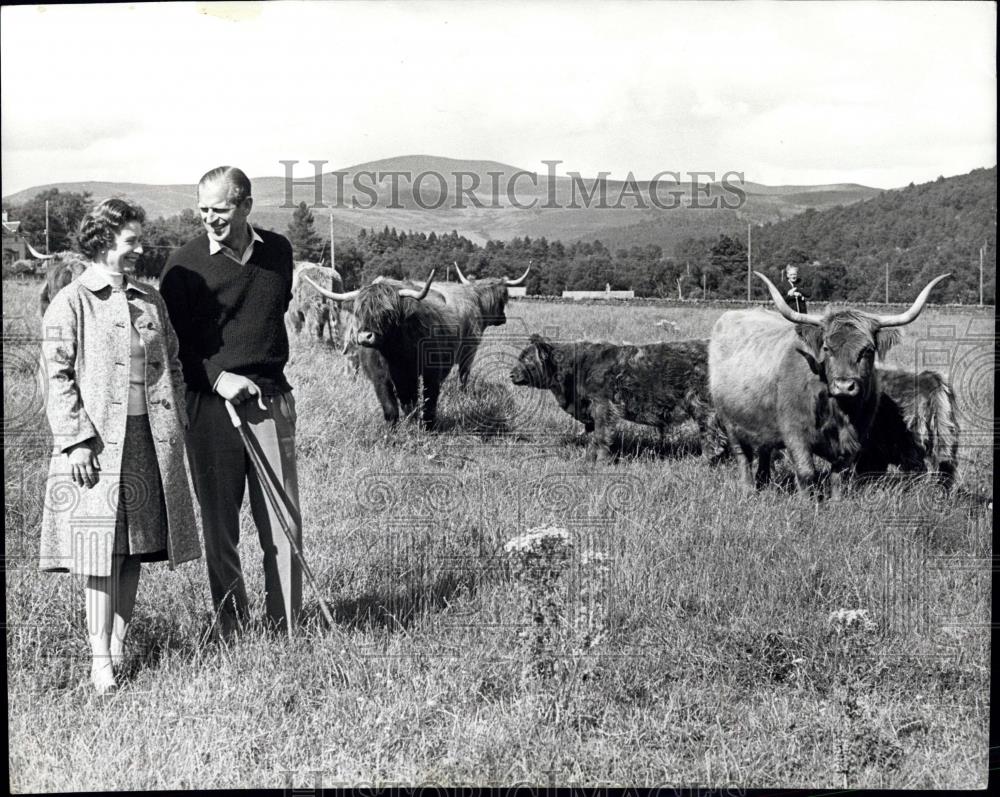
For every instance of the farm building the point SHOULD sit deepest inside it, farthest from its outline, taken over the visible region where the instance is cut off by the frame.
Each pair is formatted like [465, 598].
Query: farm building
[607, 293]
[14, 245]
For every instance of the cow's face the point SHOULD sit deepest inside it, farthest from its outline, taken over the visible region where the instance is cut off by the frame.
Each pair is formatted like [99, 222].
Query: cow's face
[534, 364]
[492, 293]
[842, 350]
[378, 314]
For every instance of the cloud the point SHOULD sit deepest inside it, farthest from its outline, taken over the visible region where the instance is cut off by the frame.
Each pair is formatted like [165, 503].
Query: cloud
[770, 89]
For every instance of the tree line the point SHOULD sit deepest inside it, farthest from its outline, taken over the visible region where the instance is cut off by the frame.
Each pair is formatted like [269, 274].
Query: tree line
[842, 253]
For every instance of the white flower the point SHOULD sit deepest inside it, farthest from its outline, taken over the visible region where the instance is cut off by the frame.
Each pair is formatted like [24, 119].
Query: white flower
[596, 558]
[537, 538]
[846, 619]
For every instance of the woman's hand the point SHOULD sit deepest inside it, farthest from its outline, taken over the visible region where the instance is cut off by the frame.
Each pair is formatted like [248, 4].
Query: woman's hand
[83, 464]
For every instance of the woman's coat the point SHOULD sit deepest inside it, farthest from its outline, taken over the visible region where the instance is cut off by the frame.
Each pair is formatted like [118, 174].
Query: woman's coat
[85, 352]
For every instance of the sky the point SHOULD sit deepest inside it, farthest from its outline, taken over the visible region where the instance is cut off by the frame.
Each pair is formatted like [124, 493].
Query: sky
[877, 93]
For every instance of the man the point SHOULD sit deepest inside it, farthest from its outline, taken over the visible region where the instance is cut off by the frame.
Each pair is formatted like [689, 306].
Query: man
[795, 298]
[227, 292]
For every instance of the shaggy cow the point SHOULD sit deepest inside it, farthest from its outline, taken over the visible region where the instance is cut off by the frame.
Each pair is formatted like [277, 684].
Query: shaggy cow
[809, 387]
[406, 335]
[915, 427]
[657, 384]
[60, 270]
[312, 312]
[478, 304]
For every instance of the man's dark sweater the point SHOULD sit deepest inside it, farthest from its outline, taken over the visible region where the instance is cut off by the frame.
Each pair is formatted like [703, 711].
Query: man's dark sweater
[231, 317]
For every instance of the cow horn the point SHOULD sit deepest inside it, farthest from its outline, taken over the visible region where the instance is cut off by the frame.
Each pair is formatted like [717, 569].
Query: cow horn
[418, 295]
[337, 297]
[512, 283]
[915, 309]
[299, 270]
[785, 310]
[461, 276]
[36, 254]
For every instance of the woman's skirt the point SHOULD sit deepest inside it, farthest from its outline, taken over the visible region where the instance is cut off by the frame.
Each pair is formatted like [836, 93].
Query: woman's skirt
[141, 524]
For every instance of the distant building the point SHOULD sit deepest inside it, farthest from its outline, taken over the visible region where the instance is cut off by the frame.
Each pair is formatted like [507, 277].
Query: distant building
[605, 294]
[521, 291]
[14, 245]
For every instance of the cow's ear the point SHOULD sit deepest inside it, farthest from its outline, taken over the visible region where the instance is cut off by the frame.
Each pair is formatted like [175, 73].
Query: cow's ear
[814, 365]
[812, 336]
[885, 339]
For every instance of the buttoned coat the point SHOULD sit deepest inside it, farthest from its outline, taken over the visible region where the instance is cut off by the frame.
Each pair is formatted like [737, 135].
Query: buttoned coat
[86, 358]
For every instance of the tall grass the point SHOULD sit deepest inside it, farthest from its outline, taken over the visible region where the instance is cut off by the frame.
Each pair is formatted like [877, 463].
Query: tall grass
[718, 661]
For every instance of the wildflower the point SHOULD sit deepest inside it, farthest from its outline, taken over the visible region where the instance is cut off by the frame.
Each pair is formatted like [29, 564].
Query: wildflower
[538, 539]
[844, 620]
[596, 559]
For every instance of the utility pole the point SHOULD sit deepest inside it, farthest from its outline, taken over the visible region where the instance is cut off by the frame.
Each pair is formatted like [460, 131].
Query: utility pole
[704, 290]
[332, 263]
[887, 283]
[982, 256]
[47, 250]
[748, 260]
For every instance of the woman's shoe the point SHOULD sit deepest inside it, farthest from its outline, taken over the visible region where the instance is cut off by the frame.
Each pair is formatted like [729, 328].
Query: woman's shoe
[102, 676]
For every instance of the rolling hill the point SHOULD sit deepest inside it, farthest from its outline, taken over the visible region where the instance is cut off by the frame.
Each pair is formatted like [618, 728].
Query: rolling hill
[500, 202]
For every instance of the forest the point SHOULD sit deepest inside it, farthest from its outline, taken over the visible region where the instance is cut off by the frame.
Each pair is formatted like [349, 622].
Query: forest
[890, 244]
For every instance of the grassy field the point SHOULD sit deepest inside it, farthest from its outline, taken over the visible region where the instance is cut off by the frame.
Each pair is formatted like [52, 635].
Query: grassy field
[685, 634]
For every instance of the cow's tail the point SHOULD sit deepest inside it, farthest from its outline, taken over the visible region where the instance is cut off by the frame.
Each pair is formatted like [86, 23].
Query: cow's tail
[44, 300]
[939, 428]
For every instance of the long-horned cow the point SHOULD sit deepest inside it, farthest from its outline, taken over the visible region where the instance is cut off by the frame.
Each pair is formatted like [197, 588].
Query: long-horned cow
[405, 336]
[480, 303]
[809, 386]
[61, 269]
[312, 312]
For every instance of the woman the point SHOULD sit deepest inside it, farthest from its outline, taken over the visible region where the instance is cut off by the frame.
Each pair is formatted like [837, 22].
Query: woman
[119, 492]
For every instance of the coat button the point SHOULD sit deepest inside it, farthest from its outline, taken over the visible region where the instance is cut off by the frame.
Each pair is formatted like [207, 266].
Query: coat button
[166, 404]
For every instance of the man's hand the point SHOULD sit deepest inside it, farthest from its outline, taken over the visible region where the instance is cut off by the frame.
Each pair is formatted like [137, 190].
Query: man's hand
[83, 464]
[237, 389]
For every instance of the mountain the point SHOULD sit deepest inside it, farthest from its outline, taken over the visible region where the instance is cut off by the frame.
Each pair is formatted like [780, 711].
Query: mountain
[916, 232]
[488, 207]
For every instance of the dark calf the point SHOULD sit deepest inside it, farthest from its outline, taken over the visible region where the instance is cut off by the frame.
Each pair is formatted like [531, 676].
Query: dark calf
[599, 384]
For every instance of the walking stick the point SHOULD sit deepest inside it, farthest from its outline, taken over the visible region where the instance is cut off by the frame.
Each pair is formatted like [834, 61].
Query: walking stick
[276, 506]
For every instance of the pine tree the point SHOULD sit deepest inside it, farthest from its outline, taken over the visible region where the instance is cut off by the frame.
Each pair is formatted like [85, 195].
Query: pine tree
[306, 244]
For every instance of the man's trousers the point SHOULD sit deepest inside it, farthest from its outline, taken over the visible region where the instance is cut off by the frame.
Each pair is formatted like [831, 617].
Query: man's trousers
[220, 468]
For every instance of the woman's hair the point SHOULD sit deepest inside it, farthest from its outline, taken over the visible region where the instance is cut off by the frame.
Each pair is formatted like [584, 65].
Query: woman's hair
[99, 227]
[236, 182]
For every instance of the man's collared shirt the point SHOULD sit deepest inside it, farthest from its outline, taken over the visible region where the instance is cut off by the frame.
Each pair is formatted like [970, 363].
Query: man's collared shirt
[214, 247]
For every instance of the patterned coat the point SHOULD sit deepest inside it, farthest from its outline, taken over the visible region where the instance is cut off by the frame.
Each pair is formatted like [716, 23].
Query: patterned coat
[86, 355]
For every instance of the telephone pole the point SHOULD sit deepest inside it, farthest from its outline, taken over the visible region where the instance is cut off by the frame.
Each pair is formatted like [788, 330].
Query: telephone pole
[887, 283]
[748, 260]
[332, 262]
[982, 256]
[47, 250]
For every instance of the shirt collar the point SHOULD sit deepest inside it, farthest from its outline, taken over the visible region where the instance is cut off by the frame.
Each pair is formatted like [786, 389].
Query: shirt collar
[214, 247]
[95, 278]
